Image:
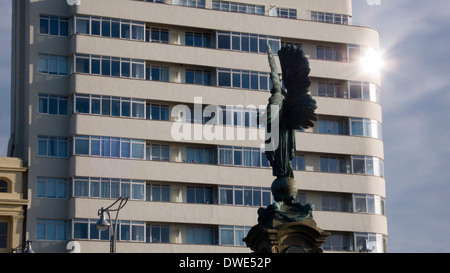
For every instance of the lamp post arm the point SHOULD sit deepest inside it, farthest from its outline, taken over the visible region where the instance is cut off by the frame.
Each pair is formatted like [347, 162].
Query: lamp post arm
[113, 226]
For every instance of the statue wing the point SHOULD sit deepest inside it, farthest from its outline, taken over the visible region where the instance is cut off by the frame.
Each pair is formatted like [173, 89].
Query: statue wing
[299, 107]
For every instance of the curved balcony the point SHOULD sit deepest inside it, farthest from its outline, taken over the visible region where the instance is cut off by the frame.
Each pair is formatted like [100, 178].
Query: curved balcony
[220, 215]
[229, 21]
[83, 166]
[154, 130]
[186, 55]
[180, 93]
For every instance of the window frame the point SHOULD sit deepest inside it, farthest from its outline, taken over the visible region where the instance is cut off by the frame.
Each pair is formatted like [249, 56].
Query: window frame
[59, 59]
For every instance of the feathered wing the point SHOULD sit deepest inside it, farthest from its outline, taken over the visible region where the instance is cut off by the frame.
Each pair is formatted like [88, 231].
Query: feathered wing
[299, 107]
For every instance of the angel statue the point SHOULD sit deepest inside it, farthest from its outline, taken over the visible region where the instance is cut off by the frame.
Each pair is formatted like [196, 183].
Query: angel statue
[288, 110]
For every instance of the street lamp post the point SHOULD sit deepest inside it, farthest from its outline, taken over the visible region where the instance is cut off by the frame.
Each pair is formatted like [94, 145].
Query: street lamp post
[103, 224]
[24, 248]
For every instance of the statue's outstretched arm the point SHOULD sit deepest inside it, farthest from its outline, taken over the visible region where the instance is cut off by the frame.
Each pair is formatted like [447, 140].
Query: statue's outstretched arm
[274, 75]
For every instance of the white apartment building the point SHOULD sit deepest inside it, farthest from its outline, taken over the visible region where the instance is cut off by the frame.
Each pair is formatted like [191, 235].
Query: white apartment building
[95, 89]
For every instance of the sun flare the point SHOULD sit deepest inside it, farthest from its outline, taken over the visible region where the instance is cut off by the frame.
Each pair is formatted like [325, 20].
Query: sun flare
[372, 60]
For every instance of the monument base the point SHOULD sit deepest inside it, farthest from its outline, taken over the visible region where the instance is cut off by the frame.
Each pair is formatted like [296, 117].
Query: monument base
[286, 227]
[294, 237]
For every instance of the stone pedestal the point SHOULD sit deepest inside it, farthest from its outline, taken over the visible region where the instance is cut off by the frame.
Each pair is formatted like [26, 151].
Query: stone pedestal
[285, 226]
[290, 237]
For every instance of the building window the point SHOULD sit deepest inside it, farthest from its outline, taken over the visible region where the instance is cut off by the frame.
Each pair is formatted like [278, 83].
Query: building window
[238, 7]
[157, 193]
[354, 53]
[242, 156]
[199, 195]
[4, 188]
[108, 188]
[369, 241]
[287, 13]
[53, 105]
[338, 242]
[108, 27]
[127, 230]
[199, 77]
[198, 39]
[298, 163]
[232, 235]
[246, 42]
[53, 65]
[364, 91]
[331, 126]
[131, 231]
[51, 188]
[367, 165]
[109, 106]
[157, 233]
[365, 127]
[243, 79]
[238, 116]
[366, 203]
[52, 147]
[53, 25]
[245, 196]
[189, 3]
[200, 235]
[330, 90]
[109, 147]
[329, 18]
[201, 155]
[157, 152]
[157, 35]
[3, 235]
[329, 53]
[109, 66]
[51, 230]
[333, 165]
[155, 1]
[301, 198]
[157, 73]
[334, 203]
[157, 112]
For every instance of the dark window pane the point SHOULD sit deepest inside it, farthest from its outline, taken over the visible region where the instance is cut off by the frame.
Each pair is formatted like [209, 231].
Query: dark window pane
[115, 68]
[190, 76]
[95, 66]
[95, 27]
[125, 28]
[224, 78]
[82, 105]
[223, 41]
[106, 28]
[44, 27]
[126, 70]
[115, 29]
[64, 28]
[106, 67]
[54, 26]
[189, 39]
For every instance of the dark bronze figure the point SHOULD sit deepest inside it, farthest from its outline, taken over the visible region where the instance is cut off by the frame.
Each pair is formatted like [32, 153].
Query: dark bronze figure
[286, 226]
[290, 110]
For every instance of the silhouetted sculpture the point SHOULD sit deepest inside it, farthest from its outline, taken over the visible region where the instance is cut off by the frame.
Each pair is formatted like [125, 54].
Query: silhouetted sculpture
[286, 226]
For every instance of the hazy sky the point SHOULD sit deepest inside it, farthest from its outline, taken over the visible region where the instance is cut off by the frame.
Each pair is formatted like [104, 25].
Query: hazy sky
[415, 37]
[415, 40]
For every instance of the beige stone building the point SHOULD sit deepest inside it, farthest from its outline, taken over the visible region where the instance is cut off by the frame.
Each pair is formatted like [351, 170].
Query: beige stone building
[13, 203]
[102, 93]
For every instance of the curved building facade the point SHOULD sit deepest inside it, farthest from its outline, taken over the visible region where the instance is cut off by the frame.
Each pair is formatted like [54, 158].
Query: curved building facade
[159, 101]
